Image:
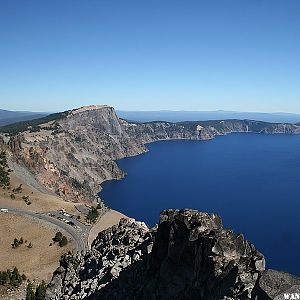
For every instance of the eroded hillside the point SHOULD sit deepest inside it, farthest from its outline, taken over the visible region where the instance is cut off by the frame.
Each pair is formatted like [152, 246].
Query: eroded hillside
[72, 153]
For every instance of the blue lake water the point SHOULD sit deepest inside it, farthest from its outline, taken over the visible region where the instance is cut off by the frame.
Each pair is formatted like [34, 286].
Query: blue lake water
[252, 181]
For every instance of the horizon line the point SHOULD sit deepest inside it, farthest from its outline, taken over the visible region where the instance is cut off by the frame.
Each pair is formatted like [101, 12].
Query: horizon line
[159, 110]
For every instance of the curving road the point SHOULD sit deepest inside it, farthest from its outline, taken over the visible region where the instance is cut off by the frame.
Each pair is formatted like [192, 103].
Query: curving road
[79, 235]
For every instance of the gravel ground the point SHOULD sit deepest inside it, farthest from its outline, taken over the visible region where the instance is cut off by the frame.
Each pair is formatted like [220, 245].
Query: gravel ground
[27, 176]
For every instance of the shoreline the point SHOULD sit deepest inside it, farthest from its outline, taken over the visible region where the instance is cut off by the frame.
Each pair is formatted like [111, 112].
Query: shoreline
[170, 139]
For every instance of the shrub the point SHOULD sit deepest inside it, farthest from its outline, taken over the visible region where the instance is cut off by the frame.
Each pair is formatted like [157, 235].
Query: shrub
[18, 189]
[63, 242]
[92, 215]
[4, 277]
[11, 277]
[29, 292]
[40, 292]
[58, 237]
[15, 244]
[15, 277]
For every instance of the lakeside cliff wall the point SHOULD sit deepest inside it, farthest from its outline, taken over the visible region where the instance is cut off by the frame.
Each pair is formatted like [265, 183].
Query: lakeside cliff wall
[75, 152]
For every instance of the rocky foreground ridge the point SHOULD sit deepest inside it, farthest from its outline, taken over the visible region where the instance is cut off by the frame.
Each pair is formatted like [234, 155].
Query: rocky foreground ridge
[188, 256]
[72, 153]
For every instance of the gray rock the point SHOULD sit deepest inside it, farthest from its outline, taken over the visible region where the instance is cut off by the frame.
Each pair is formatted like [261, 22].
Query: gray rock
[188, 256]
[274, 284]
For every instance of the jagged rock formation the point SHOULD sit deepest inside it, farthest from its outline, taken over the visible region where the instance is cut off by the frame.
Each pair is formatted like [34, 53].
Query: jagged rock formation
[73, 152]
[115, 249]
[189, 256]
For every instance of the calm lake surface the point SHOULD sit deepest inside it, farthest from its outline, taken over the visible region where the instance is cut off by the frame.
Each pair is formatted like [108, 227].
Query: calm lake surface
[252, 181]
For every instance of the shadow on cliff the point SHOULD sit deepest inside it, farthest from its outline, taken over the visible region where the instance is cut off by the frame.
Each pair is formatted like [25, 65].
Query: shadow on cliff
[189, 256]
[180, 267]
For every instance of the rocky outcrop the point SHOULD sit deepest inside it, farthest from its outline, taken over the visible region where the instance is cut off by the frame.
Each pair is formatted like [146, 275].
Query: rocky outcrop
[2, 144]
[277, 285]
[15, 144]
[75, 151]
[114, 250]
[189, 256]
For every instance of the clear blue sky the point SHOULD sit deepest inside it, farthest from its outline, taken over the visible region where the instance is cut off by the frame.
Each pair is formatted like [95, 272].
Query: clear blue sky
[150, 54]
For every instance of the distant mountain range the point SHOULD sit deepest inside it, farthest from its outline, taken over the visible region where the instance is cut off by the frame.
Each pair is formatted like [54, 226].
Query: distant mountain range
[178, 116]
[10, 117]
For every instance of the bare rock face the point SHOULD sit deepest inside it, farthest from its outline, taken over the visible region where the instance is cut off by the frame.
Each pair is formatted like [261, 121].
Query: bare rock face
[277, 285]
[15, 144]
[100, 118]
[188, 256]
[72, 154]
[114, 250]
[195, 258]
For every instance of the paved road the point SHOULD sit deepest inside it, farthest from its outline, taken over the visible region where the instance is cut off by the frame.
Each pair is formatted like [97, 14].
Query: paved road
[80, 235]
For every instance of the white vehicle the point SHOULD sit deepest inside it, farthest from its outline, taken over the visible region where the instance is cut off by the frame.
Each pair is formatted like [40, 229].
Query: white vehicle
[66, 215]
[5, 210]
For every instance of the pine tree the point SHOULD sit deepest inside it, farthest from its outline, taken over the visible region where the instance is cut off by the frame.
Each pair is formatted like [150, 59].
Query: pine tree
[4, 277]
[15, 277]
[63, 242]
[29, 292]
[40, 292]
[58, 237]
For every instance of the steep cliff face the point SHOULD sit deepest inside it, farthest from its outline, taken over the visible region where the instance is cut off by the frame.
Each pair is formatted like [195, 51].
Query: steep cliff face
[72, 156]
[203, 130]
[75, 151]
[189, 256]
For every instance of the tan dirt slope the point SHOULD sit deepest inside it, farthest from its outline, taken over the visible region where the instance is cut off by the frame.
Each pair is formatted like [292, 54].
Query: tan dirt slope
[37, 263]
[40, 201]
